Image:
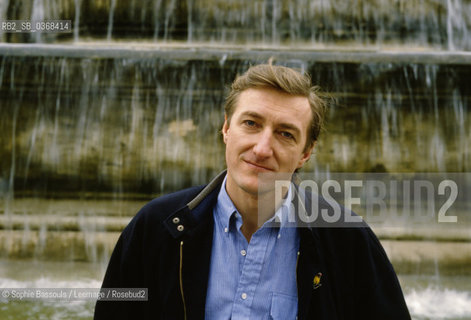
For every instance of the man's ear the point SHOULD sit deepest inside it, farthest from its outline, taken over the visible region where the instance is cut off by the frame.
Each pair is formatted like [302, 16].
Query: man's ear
[306, 155]
[225, 129]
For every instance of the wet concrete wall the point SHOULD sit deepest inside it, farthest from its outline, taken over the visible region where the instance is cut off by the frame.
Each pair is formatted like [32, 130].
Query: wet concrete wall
[151, 125]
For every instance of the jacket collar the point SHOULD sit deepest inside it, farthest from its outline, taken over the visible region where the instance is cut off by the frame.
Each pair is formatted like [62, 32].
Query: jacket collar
[188, 218]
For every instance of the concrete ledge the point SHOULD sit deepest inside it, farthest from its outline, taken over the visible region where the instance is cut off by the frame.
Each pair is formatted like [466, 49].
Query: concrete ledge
[58, 246]
[204, 52]
[98, 219]
[407, 257]
[50, 222]
[87, 230]
[429, 257]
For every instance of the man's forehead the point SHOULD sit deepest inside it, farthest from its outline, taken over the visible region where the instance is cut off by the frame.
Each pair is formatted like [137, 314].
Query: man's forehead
[272, 95]
[263, 103]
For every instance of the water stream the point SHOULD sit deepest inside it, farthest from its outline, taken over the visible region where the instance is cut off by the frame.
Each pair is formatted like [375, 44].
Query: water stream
[118, 125]
[441, 24]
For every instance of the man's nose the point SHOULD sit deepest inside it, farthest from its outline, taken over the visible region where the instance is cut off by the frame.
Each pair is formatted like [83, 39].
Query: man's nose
[263, 147]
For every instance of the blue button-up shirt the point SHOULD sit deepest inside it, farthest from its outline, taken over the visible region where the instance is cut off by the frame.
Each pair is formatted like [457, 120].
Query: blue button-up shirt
[255, 280]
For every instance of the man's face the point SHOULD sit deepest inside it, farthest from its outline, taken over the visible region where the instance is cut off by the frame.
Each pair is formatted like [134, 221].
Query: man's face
[266, 134]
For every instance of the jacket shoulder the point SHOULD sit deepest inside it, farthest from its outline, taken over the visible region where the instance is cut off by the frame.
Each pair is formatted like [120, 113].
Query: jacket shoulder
[160, 208]
[148, 222]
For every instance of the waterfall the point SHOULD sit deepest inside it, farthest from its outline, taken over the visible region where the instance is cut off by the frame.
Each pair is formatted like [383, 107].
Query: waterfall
[98, 122]
[76, 19]
[420, 24]
[110, 20]
[3, 15]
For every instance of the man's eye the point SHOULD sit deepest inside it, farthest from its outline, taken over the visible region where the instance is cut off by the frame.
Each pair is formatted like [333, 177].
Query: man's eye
[287, 135]
[250, 123]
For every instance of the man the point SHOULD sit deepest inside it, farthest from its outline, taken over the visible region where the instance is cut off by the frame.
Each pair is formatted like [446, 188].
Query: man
[212, 252]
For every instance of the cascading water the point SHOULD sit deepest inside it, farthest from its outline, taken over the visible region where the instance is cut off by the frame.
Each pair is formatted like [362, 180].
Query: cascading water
[96, 122]
[127, 125]
[435, 24]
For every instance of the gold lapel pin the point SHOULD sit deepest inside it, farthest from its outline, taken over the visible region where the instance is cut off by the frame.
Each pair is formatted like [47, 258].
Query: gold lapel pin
[316, 282]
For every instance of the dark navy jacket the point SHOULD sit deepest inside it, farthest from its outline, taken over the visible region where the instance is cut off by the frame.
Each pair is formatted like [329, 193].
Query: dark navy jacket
[167, 248]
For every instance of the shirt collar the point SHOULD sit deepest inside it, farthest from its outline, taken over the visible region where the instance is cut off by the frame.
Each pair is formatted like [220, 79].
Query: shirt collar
[284, 216]
[225, 210]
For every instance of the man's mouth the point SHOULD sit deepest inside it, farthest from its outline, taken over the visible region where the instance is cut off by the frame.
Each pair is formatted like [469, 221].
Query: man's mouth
[258, 166]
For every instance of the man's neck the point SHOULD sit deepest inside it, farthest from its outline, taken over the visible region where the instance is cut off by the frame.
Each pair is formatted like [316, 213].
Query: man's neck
[248, 206]
[248, 209]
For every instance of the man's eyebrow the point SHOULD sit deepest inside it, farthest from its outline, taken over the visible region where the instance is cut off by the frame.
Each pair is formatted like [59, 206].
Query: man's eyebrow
[252, 114]
[281, 125]
[290, 127]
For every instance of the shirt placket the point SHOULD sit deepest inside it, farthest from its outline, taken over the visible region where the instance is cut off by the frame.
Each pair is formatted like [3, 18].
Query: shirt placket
[250, 274]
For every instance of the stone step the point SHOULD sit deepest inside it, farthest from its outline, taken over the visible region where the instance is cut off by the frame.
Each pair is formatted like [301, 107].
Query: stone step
[79, 230]
[87, 246]
[222, 53]
[429, 257]
[112, 215]
[45, 223]
[408, 257]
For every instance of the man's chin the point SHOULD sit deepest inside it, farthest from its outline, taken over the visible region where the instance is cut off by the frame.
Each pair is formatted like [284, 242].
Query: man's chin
[259, 184]
[260, 187]
[251, 188]
[267, 181]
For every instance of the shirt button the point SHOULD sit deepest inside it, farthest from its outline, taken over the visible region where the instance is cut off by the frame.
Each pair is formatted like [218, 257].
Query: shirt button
[226, 230]
[244, 296]
[243, 252]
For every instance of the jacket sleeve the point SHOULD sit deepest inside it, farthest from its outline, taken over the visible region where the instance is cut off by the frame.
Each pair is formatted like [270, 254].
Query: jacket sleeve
[383, 298]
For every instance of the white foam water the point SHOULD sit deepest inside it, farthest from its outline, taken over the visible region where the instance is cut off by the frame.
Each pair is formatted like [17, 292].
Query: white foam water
[439, 303]
[74, 309]
[44, 282]
[426, 297]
